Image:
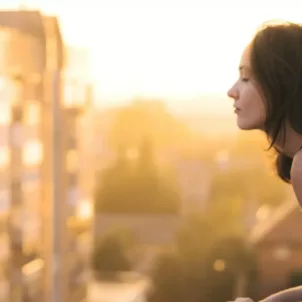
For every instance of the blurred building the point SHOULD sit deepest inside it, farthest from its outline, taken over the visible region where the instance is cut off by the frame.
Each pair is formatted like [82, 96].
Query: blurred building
[194, 177]
[132, 289]
[153, 233]
[41, 233]
[80, 167]
[278, 245]
[22, 60]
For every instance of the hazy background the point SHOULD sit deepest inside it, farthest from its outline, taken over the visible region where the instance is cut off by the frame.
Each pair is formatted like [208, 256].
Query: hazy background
[165, 199]
[178, 50]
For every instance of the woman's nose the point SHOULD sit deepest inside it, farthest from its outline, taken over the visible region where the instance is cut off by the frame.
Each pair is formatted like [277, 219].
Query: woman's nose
[233, 93]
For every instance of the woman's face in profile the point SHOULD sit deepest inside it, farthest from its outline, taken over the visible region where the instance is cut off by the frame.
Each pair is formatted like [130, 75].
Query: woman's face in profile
[248, 102]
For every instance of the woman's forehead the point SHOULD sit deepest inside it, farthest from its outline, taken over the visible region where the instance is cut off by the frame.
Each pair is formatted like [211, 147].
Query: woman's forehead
[245, 58]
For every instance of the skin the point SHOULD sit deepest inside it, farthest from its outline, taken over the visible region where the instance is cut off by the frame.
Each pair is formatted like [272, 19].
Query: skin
[289, 295]
[248, 102]
[296, 176]
[251, 115]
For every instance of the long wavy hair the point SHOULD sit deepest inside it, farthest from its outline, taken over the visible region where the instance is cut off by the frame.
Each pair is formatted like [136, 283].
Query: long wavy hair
[276, 61]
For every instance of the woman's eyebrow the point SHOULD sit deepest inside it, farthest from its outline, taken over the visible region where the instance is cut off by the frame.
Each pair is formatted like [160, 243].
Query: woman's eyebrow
[243, 67]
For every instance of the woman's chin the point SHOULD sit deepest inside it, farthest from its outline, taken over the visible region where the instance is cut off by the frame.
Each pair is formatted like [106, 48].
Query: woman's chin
[244, 125]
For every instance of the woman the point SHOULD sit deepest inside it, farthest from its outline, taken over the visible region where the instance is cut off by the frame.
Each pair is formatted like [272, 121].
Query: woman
[268, 96]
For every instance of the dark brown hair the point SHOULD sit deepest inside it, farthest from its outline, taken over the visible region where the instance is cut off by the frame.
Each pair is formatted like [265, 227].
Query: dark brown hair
[276, 61]
[283, 166]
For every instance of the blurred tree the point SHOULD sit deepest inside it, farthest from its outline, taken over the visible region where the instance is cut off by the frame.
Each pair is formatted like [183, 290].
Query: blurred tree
[194, 241]
[260, 180]
[231, 267]
[185, 269]
[132, 122]
[114, 184]
[245, 181]
[112, 254]
[168, 279]
[137, 186]
[196, 235]
[205, 265]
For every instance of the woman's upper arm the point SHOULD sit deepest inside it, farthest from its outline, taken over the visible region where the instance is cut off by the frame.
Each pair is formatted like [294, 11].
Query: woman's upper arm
[290, 295]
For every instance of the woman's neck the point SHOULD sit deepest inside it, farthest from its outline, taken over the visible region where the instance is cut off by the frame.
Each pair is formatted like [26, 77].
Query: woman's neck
[292, 143]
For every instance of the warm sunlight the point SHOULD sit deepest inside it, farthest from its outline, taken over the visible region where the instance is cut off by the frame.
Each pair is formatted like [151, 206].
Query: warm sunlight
[178, 50]
[177, 53]
[124, 170]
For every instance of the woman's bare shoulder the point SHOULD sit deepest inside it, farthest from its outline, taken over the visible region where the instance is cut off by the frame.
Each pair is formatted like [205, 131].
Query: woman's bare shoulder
[290, 295]
[296, 175]
[296, 170]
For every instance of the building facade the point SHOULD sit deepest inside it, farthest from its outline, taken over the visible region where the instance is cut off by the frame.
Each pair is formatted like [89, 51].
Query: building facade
[21, 69]
[77, 100]
[278, 246]
[41, 234]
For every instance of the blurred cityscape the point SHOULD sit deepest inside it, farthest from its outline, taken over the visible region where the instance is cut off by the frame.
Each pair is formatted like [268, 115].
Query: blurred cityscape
[128, 203]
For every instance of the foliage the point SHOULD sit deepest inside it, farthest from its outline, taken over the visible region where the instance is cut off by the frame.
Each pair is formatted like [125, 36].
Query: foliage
[113, 252]
[168, 279]
[136, 186]
[189, 269]
[147, 117]
[243, 185]
[238, 259]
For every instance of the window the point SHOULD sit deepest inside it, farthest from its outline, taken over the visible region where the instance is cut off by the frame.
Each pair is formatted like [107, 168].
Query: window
[74, 93]
[5, 248]
[31, 187]
[10, 90]
[14, 92]
[17, 222]
[32, 114]
[35, 78]
[72, 161]
[33, 87]
[72, 179]
[31, 233]
[17, 135]
[4, 134]
[84, 245]
[5, 113]
[31, 217]
[32, 153]
[4, 157]
[73, 196]
[33, 278]
[85, 210]
[16, 191]
[72, 142]
[5, 201]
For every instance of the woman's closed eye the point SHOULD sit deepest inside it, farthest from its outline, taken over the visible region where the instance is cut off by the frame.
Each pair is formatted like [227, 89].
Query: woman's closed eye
[244, 79]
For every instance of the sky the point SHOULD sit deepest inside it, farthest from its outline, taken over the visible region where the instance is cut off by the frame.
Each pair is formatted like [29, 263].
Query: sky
[181, 50]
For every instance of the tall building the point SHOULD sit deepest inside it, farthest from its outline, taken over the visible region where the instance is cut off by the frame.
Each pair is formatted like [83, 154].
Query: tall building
[21, 71]
[77, 100]
[41, 215]
[5, 183]
[56, 271]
